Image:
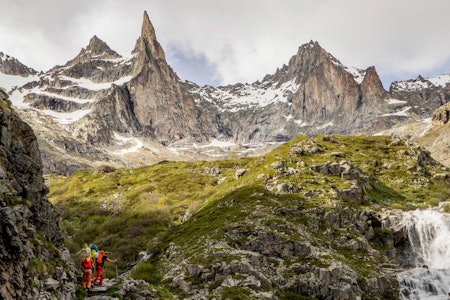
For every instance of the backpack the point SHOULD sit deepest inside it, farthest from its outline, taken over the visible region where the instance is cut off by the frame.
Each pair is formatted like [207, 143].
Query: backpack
[94, 250]
[99, 259]
[87, 263]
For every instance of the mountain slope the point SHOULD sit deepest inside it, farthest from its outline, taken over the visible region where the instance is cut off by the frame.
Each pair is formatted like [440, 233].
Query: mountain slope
[432, 133]
[303, 219]
[437, 140]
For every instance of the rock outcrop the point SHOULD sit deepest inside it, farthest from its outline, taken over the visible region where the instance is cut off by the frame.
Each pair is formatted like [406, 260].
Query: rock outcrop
[10, 65]
[273, 264]
[34, 262]
[437, 141]
[442, 114]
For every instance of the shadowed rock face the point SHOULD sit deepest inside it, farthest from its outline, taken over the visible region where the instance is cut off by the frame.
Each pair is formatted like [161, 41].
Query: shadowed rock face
[31, 237]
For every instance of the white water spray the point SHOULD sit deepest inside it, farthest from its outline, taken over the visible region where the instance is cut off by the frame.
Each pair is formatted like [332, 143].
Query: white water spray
[429, 236]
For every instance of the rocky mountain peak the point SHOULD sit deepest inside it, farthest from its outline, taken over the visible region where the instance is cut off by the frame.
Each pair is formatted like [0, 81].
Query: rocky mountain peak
[372, 85]
[11, 66]
[96, 49]
[160, 103]
[147, 46]
[311, 54]
[310, 58]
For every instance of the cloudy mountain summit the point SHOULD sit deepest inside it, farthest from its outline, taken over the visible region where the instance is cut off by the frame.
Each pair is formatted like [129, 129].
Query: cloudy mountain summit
[102, 108]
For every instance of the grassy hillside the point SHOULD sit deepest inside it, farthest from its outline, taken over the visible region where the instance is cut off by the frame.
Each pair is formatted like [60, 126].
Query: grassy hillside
[194, 216]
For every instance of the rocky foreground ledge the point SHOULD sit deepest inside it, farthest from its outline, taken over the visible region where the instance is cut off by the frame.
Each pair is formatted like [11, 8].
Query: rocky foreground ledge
[34, 263]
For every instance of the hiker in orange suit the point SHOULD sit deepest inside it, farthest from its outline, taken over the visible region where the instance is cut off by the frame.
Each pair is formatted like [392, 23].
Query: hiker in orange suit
[100, 263]
[87, 264]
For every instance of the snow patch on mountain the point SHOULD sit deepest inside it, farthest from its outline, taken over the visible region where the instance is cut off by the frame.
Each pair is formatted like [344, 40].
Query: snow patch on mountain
[421, 83]
[301, 123]
[66, 118]
[325, 125]
[428, 124]
[441, 80]
[248, 95]
[396, 102]
[8, 82]
[93, 86]
[402, 113]
[63, 118]
[357, 74]
[121, 60]
[216, 143]
[129, 144]
[17, 95]
[411, 85]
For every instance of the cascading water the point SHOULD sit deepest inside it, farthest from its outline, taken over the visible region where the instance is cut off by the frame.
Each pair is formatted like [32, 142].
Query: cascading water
[429, 237]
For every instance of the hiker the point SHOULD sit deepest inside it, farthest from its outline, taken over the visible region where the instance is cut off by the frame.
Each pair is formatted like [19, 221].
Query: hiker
[84, 250]
[87, 265]
[100, 263]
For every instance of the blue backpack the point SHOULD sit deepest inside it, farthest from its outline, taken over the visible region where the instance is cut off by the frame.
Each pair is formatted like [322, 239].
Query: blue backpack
[94, 249]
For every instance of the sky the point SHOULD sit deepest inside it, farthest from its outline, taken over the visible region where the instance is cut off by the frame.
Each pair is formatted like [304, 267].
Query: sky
[220, 42]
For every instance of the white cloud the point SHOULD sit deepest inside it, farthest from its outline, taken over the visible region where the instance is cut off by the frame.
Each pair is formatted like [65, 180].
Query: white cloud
[239, 41]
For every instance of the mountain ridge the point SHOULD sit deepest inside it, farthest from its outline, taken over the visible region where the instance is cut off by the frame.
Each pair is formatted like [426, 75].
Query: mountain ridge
[99, 94]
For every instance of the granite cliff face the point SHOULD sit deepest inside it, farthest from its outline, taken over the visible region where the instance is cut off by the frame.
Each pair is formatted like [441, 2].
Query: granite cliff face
[34, 261]
[160, 103]
[102, 108]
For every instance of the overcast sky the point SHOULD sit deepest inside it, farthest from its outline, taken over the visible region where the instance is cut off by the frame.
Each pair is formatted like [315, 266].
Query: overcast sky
[223, 42]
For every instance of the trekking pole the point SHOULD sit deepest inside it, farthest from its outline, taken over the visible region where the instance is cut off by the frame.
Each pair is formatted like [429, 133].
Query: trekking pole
[117, 273]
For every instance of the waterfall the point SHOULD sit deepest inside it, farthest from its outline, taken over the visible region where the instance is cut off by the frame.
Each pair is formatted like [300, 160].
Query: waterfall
[429, 237]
